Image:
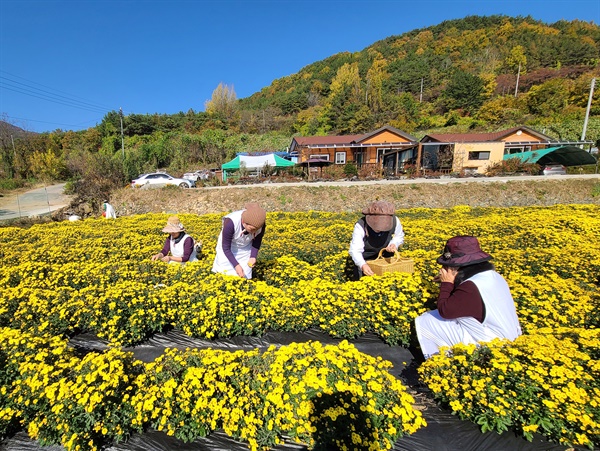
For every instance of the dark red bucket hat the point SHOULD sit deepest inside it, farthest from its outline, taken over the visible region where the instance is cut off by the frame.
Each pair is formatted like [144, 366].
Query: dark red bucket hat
[462, 251]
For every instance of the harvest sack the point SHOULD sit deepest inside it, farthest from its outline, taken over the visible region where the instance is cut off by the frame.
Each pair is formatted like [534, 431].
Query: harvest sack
[396, 263]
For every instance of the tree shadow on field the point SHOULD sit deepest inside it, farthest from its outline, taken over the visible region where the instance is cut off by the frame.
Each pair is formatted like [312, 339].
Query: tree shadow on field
[336, 417]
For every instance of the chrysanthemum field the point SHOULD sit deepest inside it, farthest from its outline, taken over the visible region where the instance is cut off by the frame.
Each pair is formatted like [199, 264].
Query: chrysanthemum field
[60, 280]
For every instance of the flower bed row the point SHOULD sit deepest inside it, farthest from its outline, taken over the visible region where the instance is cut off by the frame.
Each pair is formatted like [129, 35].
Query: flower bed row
[308, 393]
[214, 306]
[95, 276]
[547, 382]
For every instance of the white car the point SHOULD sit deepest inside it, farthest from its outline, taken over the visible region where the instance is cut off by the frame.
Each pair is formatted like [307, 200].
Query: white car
[554, 169]
[203, 174]
[159, 180]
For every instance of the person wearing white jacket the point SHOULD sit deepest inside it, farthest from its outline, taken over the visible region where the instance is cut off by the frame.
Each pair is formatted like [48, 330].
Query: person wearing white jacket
[474, 305]
[108, 211]
[379, 229]
[239, 241]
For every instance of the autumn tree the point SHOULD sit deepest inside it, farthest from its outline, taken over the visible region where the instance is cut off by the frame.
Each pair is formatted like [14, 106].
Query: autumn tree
[345, 98]
[312, 122]
[517, 60]
[549, 97]
[376, 77]
[505, 109]
[223, 103]
[7, 152]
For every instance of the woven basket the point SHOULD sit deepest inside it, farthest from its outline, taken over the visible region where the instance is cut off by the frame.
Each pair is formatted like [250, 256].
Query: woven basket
[382, 265]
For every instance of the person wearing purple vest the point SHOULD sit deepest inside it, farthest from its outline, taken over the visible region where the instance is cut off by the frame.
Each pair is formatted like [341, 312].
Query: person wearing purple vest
[474, 304]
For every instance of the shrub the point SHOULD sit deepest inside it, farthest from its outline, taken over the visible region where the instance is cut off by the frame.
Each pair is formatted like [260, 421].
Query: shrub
[512, 166]
[11, 184]
[350, 169]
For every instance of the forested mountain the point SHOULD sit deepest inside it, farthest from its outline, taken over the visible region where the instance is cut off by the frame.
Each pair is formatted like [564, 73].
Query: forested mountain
[471, 74]
[467, 67]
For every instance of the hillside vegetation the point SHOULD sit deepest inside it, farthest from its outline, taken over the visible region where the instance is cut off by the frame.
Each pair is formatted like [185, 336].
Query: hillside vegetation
[441, 75]
[460, 75]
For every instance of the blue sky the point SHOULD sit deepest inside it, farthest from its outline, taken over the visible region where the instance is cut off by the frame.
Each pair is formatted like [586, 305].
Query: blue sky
[65, 64]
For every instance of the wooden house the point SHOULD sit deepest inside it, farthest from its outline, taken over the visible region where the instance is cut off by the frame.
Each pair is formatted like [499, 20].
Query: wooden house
[362, 149]
[474, 152]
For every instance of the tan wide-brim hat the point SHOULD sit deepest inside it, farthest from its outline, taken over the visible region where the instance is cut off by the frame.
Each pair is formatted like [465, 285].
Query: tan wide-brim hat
[174, 225]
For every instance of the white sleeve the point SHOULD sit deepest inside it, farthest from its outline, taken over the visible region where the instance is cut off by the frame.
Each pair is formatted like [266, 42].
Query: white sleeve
[398, 236]
[357, 245]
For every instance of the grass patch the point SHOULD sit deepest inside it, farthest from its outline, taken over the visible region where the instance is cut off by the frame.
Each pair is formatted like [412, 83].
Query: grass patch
[7, 185]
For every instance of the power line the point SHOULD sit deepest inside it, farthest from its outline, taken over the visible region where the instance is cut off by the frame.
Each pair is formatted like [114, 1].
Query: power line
[10, 82]
[49, 99]
[49, 94]
[53, 123]
[40, 93]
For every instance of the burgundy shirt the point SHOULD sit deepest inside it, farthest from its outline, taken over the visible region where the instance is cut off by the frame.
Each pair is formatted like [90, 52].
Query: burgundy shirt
[463, 300]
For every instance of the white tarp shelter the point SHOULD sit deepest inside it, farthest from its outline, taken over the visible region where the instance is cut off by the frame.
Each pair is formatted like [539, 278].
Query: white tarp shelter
[255, 163]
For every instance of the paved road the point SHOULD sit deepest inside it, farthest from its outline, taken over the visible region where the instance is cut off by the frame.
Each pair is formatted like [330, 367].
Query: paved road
[37, 202]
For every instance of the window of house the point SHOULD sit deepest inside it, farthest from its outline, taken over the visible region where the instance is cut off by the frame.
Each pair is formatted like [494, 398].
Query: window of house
[479, 155]
[380, 153]
[359, 157]
[320, 157]
[340, 158]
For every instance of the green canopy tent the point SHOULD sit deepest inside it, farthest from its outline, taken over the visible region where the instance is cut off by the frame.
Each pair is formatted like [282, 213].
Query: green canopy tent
[253, 163]
[565, 155]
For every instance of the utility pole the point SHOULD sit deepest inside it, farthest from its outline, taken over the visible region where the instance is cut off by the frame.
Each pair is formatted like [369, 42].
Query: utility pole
[419, 157]
[15, 159]
[587, 111]
[122, 139]
[421, 95]
[517, 85]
